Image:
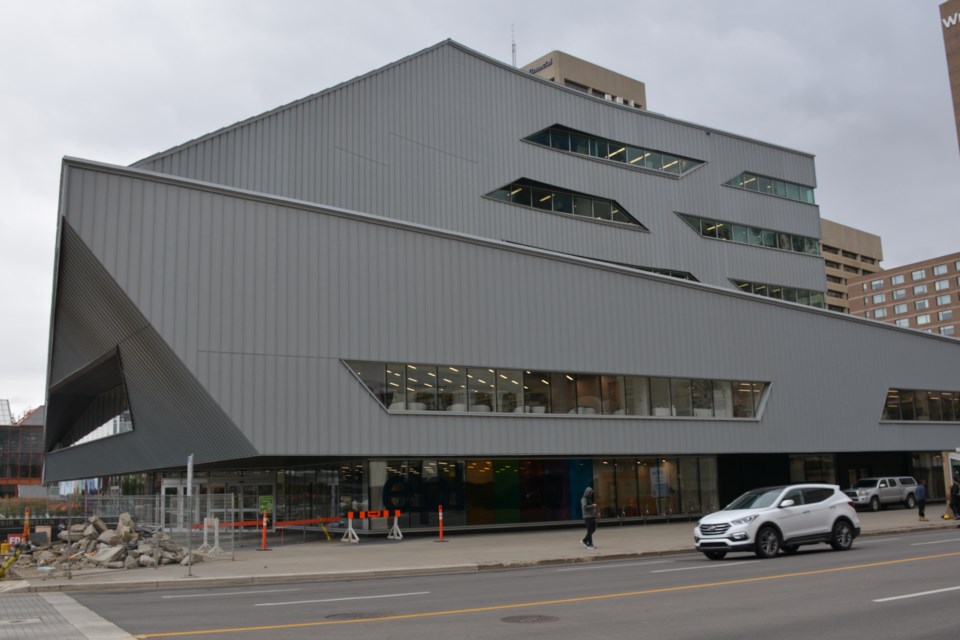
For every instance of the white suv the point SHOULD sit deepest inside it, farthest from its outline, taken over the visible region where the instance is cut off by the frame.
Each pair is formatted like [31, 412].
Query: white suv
[773, 519]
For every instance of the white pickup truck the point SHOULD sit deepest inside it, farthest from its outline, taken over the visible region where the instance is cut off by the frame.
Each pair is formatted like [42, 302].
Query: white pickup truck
[877, 493]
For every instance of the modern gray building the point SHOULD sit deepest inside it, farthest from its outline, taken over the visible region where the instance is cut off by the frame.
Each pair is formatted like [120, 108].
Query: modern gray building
[451, 282]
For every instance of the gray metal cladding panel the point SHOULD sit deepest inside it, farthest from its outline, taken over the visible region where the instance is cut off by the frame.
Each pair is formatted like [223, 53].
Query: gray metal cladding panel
[284, 292]
[172, 415]
[424, 139]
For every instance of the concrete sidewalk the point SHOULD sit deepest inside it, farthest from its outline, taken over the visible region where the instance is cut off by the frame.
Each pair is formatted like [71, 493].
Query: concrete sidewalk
[31, 605]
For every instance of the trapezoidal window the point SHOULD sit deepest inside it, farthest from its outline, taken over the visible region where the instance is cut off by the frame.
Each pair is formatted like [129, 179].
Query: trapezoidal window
[626, 155]
[545, 197]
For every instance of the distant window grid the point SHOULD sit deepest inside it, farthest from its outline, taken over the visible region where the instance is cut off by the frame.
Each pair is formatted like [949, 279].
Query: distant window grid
[536, 195]
[897, 279]
[868, 260]
[401, 387]
[919, 289]
[779, 292]
[942, 300]
[876, 284]
[921, 305]
[573, 141]
[919, 405]
[21, 452]
[742, 234]
[919, 274]
[903, 322]
[923, 319]
[945, 315]
[879, 298]
[880, 313]
[834, 265]
[775, 187]
[899, 294]
[947, 330]
[940, 285]
[940, 269]
[900, 308]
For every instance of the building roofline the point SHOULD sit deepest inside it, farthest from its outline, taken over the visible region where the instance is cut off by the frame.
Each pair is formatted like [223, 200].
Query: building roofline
[211, 187]
[480, 56]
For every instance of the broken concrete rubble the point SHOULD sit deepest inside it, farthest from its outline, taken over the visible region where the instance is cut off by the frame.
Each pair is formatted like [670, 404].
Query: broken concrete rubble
[93, 544]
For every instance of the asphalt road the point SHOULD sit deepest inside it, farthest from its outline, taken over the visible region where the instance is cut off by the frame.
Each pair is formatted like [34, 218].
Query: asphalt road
[904, 586]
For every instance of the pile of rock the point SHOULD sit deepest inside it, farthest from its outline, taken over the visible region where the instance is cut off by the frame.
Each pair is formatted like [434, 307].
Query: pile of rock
[94, 545]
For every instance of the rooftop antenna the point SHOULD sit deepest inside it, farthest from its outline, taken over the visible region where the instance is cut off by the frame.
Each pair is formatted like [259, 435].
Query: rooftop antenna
[513, 46]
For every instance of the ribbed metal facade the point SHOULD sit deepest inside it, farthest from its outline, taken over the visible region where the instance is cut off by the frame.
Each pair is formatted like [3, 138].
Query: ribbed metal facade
[235, 274]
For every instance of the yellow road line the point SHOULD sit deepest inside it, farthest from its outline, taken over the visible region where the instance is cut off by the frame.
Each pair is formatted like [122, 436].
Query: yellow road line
[500, 607]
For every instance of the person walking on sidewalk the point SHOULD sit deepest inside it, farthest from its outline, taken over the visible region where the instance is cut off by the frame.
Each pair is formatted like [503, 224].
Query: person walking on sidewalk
[954, 496]
[588, 507]
[921, 496]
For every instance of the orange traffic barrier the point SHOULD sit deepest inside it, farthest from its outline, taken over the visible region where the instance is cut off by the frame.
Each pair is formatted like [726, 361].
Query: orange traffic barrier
[440, 512]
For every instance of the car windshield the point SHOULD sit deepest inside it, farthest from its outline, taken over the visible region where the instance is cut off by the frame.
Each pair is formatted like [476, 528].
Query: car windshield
[756, 499]
[868, 483]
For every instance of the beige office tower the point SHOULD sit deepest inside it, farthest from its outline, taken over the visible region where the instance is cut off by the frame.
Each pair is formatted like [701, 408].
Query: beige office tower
[847, 253]
[950, 23]
[574, 73]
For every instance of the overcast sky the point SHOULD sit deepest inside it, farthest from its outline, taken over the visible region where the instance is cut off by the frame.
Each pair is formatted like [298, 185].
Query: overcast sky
[862, 84]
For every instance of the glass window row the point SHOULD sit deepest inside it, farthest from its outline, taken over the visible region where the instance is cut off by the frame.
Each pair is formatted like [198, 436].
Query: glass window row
[428, 387]
[790, 294]
[723, 230]
[565, 139]
[774, 187]
[535, 195]
[932, 406]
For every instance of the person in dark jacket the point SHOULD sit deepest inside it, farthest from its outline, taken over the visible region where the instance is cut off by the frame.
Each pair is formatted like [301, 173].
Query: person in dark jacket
[954, 496]
[921, 495]
[588, 506]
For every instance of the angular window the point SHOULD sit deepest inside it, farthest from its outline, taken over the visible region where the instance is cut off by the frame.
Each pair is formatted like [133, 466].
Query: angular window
[921, 305]
[891, 409]
[899, 294]
[880, 313]
[578, 142]
[940, 269]
[897, 279]
[876, 284]
[879, 298]
[790, 294]
[723, 230]
[948, 330]
[923, 319]
[454, 388]
[900, 308]
[903, 322]
[919, 274]
[773, 187]
[940, 285]
[945, 315]
[545, 197]
[919, 289]
[942, 300]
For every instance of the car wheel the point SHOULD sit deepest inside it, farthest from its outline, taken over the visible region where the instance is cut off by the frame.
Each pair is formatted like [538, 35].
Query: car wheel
[911, 501]
[874, 503]
[715, 555]
[841, 538]
[768, 543]
[790, 549]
